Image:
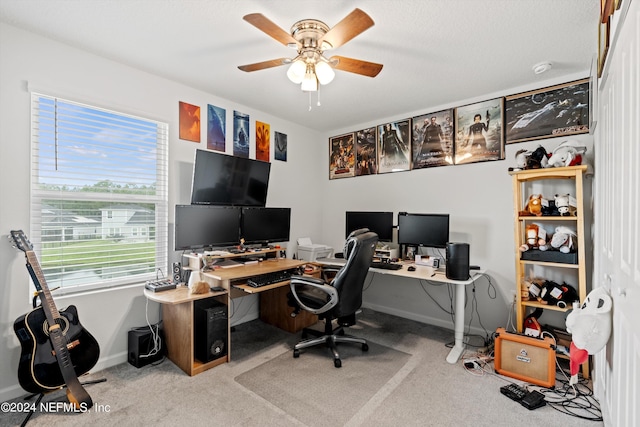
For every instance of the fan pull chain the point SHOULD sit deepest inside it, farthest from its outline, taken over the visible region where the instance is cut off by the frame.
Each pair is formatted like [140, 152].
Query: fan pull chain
[318, 104]
[309, 101]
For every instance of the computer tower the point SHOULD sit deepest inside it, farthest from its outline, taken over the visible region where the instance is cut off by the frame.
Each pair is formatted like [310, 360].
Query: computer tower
[145, 347]
[210, 330]
[457, 267]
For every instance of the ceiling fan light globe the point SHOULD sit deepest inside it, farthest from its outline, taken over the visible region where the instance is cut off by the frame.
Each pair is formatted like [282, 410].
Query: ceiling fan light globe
[296, 71]
[309, 83]
[325, 73]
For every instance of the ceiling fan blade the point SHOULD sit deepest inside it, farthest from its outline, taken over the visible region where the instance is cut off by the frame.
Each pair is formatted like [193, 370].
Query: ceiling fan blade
[264, 64]
[263, 23]
[352, 25]
[357, 66]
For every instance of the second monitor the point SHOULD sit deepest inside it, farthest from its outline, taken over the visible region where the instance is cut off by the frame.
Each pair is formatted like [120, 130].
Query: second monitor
[265, 225]
[380, 223]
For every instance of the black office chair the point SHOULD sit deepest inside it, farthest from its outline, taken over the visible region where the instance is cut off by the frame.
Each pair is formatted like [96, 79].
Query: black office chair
[339, 298]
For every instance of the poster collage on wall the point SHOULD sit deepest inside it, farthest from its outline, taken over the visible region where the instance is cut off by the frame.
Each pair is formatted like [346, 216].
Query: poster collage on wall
[467, 134]
[216, 136]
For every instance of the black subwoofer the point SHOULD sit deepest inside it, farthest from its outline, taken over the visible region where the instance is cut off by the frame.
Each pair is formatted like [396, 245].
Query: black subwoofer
[457, 261]
[210, 330]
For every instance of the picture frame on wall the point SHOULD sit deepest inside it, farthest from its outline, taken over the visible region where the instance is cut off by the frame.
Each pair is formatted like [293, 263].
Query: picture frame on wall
[342, 156]
[479, 132]
[366, 152]
[394, 146]
[549, 112]
[432, 139]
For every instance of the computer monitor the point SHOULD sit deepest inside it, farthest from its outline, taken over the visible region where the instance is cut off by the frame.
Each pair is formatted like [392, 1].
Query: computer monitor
[428, 230]
[220, 179]
[380, 223]
[206, 226]
[265, 225]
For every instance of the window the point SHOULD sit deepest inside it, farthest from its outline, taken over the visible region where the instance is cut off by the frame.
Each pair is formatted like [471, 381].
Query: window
[99, 197]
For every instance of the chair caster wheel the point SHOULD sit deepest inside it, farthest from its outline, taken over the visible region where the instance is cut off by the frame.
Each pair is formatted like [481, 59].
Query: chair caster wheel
[296, 353]
[337, 363]
[365, 347]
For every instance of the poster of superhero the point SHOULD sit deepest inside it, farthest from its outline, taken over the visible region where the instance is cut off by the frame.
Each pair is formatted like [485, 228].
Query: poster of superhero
[432, 140]
[366, 152]
[342, 156]
[394, 146]
[479, 132]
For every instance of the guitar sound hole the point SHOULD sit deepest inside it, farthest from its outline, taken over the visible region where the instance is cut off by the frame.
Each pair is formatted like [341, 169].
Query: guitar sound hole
[62, 321]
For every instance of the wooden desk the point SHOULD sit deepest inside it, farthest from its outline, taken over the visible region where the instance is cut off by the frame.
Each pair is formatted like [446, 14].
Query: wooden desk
[430, 274]
[178, 308]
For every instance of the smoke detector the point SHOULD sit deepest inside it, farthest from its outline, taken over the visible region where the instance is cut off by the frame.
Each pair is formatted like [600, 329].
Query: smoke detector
[541, 67]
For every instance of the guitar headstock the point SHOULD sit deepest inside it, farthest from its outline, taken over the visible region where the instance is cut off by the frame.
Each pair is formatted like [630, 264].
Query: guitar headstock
[21, 241]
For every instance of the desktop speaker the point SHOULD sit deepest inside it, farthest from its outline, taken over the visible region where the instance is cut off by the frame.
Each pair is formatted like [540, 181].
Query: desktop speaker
[211, 330]
[144, 346]
[525, 358]
[177, 272]
[457, 267]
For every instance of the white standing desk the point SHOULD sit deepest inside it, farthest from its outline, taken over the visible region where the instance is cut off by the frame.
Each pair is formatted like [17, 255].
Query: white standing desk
[430, 274]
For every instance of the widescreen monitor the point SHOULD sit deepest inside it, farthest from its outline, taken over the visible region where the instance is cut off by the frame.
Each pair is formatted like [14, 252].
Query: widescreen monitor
[205, 227]
[265, 225]
[220, 179]
[428, 230]
[380, 223]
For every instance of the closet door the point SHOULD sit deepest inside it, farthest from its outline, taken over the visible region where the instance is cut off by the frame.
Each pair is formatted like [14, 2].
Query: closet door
[617, 224]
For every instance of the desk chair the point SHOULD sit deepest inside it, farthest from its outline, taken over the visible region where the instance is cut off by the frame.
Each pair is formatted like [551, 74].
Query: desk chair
[339, 298]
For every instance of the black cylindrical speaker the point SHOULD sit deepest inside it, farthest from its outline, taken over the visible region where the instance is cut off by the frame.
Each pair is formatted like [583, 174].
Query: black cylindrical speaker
[457, 261]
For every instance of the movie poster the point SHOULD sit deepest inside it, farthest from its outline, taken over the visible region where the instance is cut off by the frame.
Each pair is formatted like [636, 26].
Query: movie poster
[394, 141]
[216, 128]
[280, 151]
[479, 135]
[189, 117]
[263, 141]
[366, 152]
[240, 134]
[342, 157]
[432, 140]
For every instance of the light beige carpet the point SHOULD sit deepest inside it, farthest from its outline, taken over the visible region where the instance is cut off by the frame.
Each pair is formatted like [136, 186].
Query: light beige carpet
[312, 390]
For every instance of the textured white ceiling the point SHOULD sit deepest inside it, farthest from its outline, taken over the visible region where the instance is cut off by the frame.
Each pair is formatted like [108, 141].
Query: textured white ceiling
[435, 52]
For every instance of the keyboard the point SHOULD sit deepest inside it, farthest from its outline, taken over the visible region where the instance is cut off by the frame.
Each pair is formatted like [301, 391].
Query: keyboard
[269, 278]
[160, 285]
[386, 265]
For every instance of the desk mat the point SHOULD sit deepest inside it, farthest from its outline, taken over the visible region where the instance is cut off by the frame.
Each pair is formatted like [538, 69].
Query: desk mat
[310, 387]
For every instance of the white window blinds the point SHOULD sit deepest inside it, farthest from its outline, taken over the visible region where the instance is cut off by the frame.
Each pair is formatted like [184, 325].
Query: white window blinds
[99, 197]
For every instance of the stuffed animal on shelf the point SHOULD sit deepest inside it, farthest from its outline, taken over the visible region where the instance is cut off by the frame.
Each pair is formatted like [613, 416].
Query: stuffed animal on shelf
[565, 205]
[590, 326]
[534, 206]
[564, 240]
[533, 287]
[521, 160]
[534, 235]
[568, 153]
[537, 159]
[561, 295]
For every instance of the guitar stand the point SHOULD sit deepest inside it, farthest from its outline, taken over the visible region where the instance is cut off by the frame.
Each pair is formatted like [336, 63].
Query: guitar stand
[41, 395]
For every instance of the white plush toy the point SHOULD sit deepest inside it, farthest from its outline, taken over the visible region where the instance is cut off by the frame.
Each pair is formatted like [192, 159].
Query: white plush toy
[568, 153]
[564, 240]
[590, 326]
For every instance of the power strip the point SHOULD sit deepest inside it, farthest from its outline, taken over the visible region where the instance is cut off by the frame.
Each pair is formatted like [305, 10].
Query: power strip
[160, 285]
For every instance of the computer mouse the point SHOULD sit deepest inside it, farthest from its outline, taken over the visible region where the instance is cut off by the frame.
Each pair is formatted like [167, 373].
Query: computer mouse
[411, 268]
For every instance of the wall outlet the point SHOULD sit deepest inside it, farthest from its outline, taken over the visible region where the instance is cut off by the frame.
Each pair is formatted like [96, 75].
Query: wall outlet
[513, 295]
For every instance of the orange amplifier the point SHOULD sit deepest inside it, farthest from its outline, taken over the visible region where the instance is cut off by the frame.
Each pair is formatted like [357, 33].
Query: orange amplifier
[525, 358]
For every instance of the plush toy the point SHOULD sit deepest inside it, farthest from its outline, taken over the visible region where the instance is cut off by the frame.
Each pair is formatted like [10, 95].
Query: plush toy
[534, 287]
[538, 159]
[561, 295]
[568, 153]
[564, 240]
[590, 326]
[535, 235]
[521, 160]
[564, 205]
[534, 206]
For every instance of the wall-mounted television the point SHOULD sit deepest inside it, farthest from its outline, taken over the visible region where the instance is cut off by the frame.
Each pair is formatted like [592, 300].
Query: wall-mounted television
[220, 179]
[428, 230]
[380, 223]
[265, 225]
[206, 226]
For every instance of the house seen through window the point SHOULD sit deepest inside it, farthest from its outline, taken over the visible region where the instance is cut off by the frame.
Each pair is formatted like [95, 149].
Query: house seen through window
[98, 195]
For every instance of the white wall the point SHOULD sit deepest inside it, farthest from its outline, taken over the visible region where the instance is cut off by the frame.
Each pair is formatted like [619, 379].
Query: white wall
[478, 196]
[31, 62]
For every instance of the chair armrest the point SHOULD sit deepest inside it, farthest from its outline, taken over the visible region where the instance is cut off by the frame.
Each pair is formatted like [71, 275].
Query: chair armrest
[312, 294]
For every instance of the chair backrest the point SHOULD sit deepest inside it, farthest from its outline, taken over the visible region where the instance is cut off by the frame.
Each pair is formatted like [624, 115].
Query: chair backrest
[359, 251]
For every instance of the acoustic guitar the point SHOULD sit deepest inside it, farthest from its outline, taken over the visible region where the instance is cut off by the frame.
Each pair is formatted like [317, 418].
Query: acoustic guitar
[56, 349]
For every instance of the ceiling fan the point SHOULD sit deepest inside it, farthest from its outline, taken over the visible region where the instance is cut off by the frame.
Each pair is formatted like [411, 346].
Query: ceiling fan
[311, 38]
